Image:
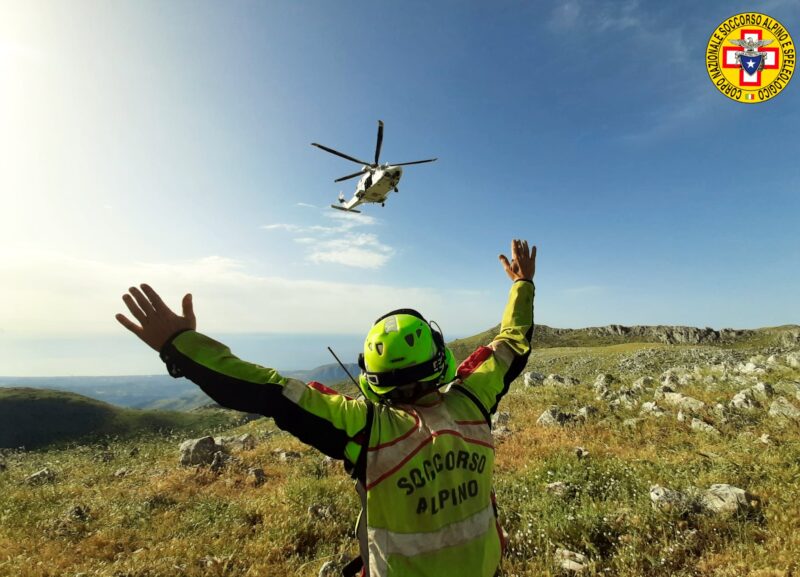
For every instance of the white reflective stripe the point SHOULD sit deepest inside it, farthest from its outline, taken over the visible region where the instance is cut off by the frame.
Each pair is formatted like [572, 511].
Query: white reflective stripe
[433, 420]
[503, 351]
[383, 543]
[293, 390]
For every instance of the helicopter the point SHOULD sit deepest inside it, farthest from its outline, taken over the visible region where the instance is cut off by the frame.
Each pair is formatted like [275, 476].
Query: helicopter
[377, 180]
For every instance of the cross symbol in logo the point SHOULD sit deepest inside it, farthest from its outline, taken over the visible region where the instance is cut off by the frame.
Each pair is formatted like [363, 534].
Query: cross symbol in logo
[749, 78]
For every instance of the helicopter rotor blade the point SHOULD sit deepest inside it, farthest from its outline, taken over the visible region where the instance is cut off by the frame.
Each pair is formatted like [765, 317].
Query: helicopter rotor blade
[342, 154]
[351, 175]
[415, 162]
[379, 142]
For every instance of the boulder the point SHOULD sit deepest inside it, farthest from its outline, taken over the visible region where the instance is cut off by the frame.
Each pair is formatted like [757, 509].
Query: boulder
[665, 499]
[256, 476]
[587, 412]
[198, 451]
[219, 461]
[553, 416]
[246, 442]
[781, 409]
[727, 500]
[683, 402]
[533, 379]
[651, 409]
[793, 359]
[559, 381]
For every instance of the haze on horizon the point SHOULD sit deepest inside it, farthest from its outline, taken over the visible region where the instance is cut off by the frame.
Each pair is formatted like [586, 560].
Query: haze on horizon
[169, 144]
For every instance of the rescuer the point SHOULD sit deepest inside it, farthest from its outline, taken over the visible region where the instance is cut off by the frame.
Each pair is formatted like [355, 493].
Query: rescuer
[418, 441]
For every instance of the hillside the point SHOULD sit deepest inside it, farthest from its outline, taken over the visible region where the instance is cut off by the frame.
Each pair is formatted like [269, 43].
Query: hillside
[37, 417]
[549, 337]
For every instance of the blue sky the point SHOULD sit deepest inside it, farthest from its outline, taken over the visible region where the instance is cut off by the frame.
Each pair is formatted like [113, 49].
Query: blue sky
[169, 143]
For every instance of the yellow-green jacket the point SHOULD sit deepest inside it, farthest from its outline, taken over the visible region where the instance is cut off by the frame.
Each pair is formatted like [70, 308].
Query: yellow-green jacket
[423, 471]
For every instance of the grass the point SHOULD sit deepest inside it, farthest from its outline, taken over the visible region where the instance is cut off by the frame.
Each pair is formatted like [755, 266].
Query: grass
[160, 519]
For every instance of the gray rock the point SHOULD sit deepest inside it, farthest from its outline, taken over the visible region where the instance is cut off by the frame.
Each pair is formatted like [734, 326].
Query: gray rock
[533, 379]
[726, 500]
[122, 472]
[783, 410]
[256, 476]
[793, 359]
[571, 561]
[587, 412]
[762, 391]
[665, 499]
[623, 400]
[683, 402]
[752, 397]
[581, 453]
[319, 511]
[720, 413]
[559, 381]
[245, 442]
[501, 419]
[198, 451]
[46, 475]
[652, 409]
[643, 383]
[286, 456]
[553, 416]
[703, 427]
[219, 461]
[605, 380]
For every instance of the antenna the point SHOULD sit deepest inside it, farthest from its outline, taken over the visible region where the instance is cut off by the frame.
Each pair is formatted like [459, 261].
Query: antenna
[343, 367]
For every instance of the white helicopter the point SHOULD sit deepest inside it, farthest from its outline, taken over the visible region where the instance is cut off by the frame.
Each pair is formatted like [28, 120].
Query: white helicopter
[377, 180]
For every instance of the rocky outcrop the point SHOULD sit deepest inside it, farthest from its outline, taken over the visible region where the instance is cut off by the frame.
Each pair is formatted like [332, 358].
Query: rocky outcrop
[198, 451]
[782, 410]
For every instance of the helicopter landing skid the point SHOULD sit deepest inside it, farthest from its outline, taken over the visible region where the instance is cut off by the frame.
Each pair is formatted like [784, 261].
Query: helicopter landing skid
[345, 209]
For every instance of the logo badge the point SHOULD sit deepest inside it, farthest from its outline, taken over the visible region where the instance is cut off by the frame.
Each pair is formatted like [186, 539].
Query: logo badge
[750, 57]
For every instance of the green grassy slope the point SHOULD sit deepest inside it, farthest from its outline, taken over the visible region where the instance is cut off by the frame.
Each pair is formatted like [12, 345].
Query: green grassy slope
[38, 417]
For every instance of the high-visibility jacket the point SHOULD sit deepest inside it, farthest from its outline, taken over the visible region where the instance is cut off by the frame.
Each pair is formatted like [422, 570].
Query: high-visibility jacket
[423, 470]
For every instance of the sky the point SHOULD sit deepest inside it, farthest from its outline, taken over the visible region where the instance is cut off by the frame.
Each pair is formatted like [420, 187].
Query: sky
[169, 143]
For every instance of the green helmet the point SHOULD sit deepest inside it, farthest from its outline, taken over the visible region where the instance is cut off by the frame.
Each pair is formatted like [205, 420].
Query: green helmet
[403, 349]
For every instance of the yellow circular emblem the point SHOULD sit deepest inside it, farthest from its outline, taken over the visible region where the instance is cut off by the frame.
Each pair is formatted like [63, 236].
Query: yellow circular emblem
[750, 57]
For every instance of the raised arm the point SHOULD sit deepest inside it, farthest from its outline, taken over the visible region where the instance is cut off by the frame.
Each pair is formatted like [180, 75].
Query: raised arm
[313, 413]
[488, 372]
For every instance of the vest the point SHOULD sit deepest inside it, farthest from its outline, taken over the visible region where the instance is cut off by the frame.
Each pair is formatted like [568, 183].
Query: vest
[427, 503]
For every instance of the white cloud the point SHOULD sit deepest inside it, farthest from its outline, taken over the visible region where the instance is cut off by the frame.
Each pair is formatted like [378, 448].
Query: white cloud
[51, 294]
[340, 243]
[357, 250]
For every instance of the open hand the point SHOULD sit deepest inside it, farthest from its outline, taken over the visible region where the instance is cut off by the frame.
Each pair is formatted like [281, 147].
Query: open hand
[158, 322]
[523, 262]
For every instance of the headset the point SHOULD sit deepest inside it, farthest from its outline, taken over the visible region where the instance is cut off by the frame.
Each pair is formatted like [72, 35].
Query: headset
[408, 375]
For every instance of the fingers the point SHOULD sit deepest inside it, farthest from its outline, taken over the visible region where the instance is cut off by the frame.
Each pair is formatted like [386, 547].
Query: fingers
[135, 310]
[188, 309]
[141, 300]
[155, 299]
[505, 263]
[129, 324]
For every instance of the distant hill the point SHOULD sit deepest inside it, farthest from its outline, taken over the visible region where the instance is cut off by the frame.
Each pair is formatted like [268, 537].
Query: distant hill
[325, 374]
[549, 337]
[135, 392]
[38, 417]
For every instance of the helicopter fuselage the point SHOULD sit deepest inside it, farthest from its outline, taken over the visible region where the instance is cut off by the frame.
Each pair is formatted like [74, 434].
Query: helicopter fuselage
[375, 186]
